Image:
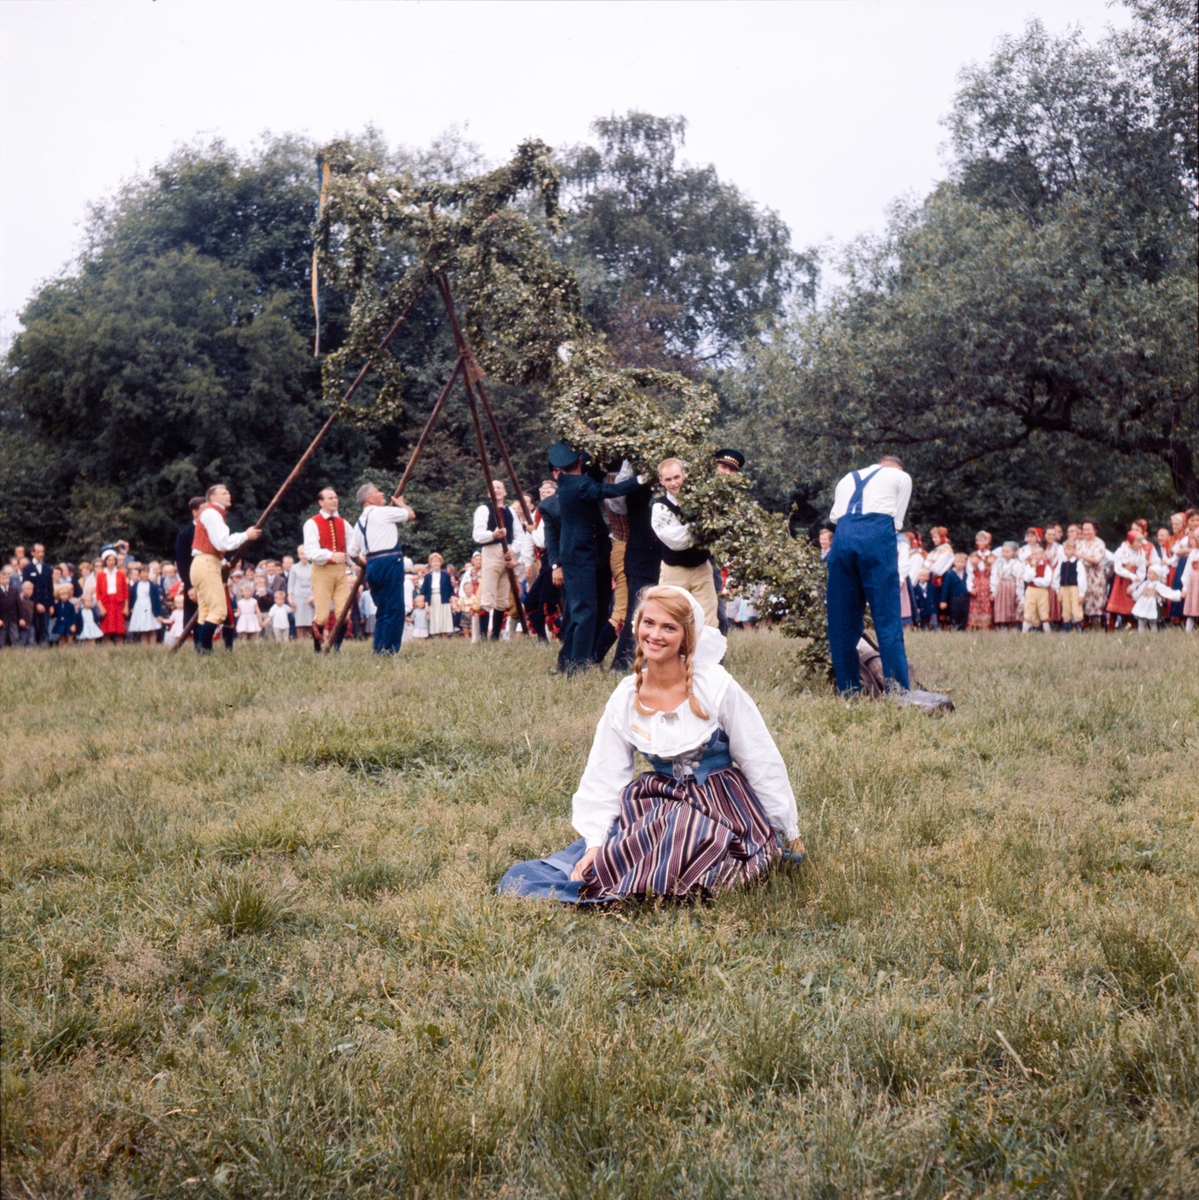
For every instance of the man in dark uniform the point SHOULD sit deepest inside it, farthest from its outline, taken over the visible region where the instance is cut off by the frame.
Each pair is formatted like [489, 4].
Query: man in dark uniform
[728, 462]
[583, 554]
[183, 565]
[39, 572]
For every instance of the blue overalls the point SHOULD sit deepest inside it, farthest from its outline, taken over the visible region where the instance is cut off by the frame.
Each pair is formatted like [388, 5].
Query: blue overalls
[863, 566]
[385, 574]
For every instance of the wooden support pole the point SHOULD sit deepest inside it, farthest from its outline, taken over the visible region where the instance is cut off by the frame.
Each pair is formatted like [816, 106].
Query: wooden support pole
[344, 615]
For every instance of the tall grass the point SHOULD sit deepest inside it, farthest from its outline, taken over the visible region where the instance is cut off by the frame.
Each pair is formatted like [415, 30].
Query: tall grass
[252, 946]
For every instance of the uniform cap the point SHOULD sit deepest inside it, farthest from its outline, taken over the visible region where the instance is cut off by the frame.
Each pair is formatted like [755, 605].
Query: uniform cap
[563, 455]
[730, 458]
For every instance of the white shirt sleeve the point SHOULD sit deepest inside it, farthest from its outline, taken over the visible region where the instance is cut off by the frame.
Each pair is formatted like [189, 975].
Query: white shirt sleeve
[596, 803]
[539, 535]
[903, 494]
[841, 499]
[317, 554]
[218, 532]
[670, 530]
[481, 534]
[1122, 568]
[754, 751]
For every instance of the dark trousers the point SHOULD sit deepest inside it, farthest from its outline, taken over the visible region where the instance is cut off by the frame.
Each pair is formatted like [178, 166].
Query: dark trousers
[863, 567]
[639, 575]
[722, 614]
[542, 595]
[959, 611]
[190, 609]
[41, 627]
[386, 579]
[583, 586]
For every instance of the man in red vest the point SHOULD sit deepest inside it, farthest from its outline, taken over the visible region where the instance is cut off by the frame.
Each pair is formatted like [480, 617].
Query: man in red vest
[325, 536]
[210, 542]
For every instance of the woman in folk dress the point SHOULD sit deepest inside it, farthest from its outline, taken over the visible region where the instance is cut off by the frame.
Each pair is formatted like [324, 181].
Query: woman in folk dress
[438, 590]
[979, 567]
[1129, 564]
[717, 807]
[1007, 586]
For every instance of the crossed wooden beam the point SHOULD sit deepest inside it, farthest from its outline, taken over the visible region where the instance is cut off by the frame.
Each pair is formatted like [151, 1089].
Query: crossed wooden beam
[468, 369]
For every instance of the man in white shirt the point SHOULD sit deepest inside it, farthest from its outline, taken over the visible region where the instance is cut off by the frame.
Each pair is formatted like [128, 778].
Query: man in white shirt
[210, 542]
[684, 564]
[376, 537]
[326, 541]
[494, 540]
[863, 566]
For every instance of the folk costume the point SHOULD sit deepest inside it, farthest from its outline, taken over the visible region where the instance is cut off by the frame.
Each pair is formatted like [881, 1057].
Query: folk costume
[684, 564]
[210, 542]
[376, 538]
[1129, 566]
[543, 597]
[1007, 586]
[978, 570]
[711, 814]
[903, 549]
[1190, 589]
[584, 556]
[1038, 578]
[863, 565]
[438, 590]
[323, 537]
[495, 594]
[112, 595]
[1151, 595]
[1070, 583]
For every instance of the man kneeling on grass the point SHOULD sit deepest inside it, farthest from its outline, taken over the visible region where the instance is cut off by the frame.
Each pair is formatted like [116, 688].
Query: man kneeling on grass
[717, 807]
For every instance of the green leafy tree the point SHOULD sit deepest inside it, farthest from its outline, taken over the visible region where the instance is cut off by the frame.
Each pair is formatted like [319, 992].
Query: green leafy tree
[1040, 306]
[675, 265]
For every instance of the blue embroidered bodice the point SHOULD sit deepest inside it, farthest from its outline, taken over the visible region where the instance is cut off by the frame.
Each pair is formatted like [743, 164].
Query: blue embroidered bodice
[699, 763]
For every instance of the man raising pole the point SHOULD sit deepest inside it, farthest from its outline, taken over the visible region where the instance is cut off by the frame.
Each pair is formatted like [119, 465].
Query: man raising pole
[376, 538]
[326, 538]
[863, 566]
[210, 542]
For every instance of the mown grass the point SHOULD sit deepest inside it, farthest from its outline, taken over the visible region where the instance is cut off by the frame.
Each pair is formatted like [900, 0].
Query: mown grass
[251, 945]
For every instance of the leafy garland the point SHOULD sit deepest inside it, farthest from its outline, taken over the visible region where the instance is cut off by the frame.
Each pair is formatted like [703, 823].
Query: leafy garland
[522, 314]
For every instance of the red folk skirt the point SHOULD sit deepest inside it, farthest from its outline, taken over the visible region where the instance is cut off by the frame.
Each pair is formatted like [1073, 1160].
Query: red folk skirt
[980, 602]
[1120, 601]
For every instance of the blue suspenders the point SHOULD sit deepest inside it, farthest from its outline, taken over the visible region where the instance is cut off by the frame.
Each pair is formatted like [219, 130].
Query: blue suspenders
[855, 501]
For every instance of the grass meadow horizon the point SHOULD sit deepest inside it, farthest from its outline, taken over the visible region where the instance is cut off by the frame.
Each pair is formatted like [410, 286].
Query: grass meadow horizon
[252, 946]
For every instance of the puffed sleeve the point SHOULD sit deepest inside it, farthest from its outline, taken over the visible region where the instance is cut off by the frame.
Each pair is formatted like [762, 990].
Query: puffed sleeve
[609, 771]
[754, 751]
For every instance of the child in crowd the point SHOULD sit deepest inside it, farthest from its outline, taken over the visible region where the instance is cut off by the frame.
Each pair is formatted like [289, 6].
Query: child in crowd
[1190, 583]
[1038, 576]
[65, 622]
[90, 632]
[925, 599]
[1070, 585]
[145, 608]
[1151, 594]
[28, 609]
[954, 599]
[278, 626]
[1007, 586]
[174, 630]
[420, 617]
[249, 624]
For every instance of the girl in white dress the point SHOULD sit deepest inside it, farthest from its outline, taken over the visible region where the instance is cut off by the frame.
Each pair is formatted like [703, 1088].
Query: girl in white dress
[91, 632]
[143, 598]
[249, 624]
[1151, 595]
[175, 627]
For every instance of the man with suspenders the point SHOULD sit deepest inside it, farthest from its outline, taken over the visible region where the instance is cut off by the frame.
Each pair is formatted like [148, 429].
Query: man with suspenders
[376, 537]
[863, 566]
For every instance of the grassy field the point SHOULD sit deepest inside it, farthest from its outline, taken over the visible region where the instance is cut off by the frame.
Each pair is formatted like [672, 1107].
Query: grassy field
[251, 945]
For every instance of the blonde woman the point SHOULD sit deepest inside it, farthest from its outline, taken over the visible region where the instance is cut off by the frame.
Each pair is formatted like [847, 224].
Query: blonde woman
[717, 807]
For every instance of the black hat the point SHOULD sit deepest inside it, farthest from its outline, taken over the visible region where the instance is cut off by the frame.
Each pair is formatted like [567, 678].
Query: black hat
[730, 458]
[563, 455]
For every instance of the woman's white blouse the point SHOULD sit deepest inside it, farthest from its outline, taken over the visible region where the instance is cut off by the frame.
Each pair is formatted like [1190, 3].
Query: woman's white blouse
[622, 730]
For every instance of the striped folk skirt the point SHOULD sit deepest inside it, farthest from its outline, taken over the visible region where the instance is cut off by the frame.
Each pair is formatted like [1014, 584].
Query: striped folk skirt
[1007, 604]
[676, 836]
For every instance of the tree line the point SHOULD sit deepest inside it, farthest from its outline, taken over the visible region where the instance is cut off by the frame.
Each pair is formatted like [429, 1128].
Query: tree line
[1025, 335]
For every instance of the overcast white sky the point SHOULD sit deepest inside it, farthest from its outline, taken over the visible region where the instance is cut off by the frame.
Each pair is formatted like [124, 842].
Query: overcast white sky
[823, 110]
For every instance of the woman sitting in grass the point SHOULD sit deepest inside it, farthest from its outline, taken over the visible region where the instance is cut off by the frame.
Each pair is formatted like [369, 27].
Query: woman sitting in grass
[695, 822]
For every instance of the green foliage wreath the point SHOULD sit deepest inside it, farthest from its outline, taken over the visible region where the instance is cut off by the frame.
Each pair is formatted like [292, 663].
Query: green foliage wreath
[383, 238]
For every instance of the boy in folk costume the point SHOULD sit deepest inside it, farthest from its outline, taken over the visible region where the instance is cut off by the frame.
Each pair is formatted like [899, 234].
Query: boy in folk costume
[210, 542]
[1007, 586]
[1038, 577]
[1070, 586]
[1151, 595]
[1053, 552]
[326, 542]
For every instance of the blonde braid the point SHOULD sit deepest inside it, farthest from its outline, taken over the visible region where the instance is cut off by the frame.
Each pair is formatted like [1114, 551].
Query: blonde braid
[696, 707]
